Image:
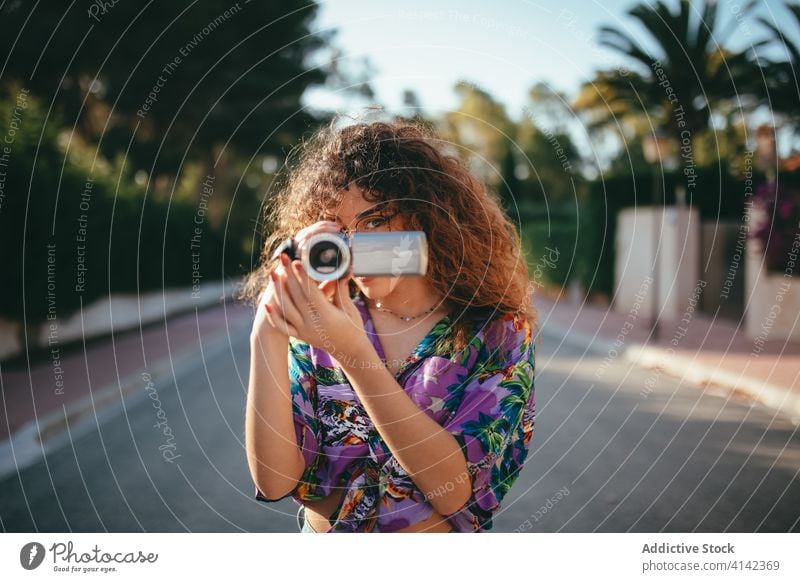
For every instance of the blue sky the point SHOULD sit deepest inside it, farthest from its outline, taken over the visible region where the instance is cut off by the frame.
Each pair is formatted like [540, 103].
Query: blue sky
[504, 47]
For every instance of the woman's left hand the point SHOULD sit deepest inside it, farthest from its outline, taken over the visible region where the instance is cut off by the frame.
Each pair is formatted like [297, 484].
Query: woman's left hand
[305, 312]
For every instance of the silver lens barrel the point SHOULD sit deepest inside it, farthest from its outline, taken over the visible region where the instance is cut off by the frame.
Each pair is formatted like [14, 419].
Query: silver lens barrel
[326, 256]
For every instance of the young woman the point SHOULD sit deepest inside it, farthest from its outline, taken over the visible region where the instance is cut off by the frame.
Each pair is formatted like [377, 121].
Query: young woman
[391, 404]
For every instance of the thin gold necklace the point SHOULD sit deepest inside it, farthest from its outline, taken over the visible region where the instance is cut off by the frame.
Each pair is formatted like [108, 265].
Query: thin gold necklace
[380, 307]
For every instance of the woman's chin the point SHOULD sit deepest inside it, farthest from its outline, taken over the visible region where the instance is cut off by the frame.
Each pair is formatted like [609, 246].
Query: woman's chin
[372, 287]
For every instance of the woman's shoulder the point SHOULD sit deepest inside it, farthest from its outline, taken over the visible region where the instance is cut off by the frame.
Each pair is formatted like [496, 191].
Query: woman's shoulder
[507, 337]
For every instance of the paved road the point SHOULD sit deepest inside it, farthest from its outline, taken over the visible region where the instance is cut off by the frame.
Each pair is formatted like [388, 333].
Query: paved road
[626, 450]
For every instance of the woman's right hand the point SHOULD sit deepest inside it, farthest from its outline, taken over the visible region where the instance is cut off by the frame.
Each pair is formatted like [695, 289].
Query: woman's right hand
[264, 323]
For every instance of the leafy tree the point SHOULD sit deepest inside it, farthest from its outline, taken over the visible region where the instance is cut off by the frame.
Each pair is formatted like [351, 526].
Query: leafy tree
[781, 90]
[74, 228]
[679, 84]
[412, 105]
[510, 189]
[552, 162]
[482, 128]
[487, 140]
[164, 81]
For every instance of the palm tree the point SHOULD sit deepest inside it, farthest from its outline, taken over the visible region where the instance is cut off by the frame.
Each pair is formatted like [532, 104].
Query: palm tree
[679, 85]
[781, 83]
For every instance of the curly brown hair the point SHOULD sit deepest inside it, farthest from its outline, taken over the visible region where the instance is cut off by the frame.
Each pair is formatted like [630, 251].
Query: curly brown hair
[475, 252]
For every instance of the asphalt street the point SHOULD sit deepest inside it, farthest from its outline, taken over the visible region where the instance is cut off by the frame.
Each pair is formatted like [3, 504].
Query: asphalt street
[616, 448]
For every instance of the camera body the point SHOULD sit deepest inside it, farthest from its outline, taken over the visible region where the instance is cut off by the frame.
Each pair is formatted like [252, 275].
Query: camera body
[329, 256]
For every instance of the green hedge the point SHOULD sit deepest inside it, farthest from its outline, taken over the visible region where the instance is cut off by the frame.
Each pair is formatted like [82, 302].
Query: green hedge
[550, 250]
[70, 234]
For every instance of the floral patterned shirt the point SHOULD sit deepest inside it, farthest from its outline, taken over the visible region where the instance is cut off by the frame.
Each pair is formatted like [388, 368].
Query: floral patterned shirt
[483, 395]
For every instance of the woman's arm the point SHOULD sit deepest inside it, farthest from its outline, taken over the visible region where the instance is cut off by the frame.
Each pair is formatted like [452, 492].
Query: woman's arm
[429, 454]
[273, 455]
[275, 458]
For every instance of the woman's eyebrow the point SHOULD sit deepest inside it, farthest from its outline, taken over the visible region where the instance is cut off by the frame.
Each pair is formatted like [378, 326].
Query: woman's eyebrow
[366, 212]
[363, 213]
[377, 209]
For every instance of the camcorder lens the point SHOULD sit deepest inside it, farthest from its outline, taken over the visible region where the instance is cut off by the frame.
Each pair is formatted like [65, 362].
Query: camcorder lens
[325, 257]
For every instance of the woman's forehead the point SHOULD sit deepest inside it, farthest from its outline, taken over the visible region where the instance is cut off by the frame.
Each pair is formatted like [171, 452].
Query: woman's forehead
[351, 203]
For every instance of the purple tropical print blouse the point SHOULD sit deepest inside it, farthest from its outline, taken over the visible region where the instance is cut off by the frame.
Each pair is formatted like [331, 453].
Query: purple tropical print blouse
[483, 395]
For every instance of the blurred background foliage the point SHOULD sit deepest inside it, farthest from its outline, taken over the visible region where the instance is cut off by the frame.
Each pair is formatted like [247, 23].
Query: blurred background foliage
[230, 108]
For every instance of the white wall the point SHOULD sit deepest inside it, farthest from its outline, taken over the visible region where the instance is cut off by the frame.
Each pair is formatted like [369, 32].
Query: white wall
[772, 302]
[678, 248]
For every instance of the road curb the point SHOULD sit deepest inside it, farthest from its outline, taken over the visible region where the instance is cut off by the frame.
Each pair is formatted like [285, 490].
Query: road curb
[581, 340]
[770, 395]
[776, 397]
[51, 432]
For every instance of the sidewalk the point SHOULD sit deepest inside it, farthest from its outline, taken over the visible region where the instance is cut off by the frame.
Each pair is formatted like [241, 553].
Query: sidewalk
[713, 354]
[37, 413]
